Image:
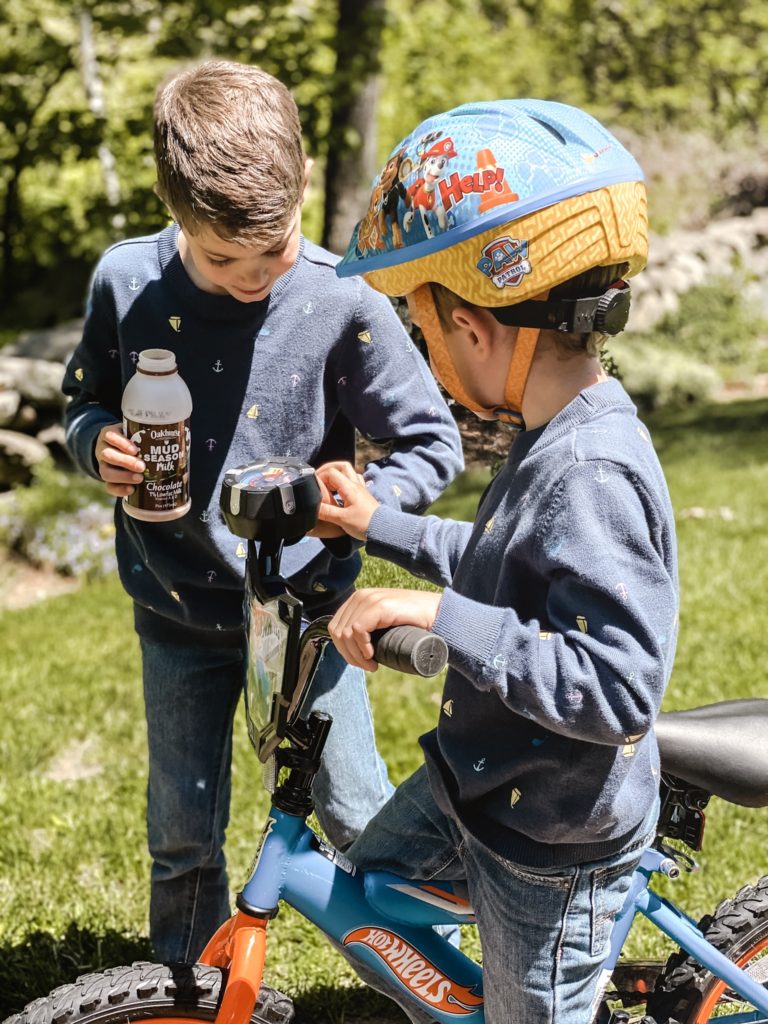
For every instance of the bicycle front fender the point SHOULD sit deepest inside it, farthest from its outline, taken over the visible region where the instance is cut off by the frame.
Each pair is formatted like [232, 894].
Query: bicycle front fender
[239, 945]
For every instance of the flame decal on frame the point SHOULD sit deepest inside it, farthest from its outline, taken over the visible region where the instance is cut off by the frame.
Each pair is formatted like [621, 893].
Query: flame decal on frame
[418, 974]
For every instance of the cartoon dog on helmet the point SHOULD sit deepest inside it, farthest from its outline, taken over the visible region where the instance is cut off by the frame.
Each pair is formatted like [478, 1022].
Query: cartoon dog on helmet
[422, 194]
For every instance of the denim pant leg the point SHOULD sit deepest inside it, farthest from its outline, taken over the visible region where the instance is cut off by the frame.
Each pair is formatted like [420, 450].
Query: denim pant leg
[411, 837]
[544, 934]
[190, 696]
[352, 783]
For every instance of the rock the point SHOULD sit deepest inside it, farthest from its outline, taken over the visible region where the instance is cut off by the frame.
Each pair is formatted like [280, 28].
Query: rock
[19, 453]
[27, 419]
[53, 344]
[36, 380]
[53, 436]
[9, 406]
[694, 267]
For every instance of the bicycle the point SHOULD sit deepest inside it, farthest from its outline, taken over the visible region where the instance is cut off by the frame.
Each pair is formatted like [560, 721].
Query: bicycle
[720, 971]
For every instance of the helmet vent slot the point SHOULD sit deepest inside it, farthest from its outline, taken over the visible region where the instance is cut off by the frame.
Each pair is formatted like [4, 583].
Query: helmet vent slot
[550, 128]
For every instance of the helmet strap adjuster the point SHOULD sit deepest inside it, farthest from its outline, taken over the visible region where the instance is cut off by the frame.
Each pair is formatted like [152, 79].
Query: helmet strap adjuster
[606, 313]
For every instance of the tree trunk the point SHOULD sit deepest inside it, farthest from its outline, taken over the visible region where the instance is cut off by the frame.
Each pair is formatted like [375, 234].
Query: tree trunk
[95, 93]
[351, 157]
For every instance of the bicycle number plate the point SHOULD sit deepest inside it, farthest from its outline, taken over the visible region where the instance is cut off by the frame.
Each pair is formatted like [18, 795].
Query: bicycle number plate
[267, 642]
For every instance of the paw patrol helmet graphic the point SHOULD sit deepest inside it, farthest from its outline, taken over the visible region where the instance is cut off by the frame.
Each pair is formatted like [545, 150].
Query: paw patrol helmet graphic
[500, 202]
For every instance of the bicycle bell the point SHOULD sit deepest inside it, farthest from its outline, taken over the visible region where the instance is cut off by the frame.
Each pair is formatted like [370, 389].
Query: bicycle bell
[272, 499]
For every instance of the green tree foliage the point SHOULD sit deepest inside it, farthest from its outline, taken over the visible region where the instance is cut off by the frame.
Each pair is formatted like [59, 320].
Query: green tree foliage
[695, 65]
[55, 215]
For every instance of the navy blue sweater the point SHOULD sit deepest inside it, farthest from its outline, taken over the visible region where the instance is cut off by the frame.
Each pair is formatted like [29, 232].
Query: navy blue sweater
[560, 612]
[292, 375]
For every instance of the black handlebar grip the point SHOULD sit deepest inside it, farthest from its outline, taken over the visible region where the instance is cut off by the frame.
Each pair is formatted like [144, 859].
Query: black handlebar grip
[410, 649]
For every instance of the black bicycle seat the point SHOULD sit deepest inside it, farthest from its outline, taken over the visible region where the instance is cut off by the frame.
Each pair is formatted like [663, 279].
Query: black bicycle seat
[721, 748]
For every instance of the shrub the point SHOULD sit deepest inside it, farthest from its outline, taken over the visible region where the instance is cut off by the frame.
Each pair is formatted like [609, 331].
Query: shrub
[715, 324]
[62, 521]
[714, 335]
[659, 376]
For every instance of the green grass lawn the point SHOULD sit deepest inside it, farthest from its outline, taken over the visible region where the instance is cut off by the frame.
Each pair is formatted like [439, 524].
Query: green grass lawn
[73, 870]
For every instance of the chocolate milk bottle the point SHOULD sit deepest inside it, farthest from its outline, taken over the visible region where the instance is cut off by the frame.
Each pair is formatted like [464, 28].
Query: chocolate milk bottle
[156, 410]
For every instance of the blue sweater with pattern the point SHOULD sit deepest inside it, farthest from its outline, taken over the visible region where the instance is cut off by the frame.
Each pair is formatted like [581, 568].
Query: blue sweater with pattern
[292, 375]
[560, 611]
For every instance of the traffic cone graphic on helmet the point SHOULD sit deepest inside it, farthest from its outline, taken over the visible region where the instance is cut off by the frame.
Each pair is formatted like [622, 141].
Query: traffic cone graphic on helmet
[486, 161]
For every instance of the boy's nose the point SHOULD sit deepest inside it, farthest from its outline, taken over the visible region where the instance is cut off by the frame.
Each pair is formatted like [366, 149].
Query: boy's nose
[254, 280]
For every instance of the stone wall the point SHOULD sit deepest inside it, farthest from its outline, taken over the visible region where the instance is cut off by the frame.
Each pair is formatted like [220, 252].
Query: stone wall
[31, 369]
[31, 411]
[678, 261]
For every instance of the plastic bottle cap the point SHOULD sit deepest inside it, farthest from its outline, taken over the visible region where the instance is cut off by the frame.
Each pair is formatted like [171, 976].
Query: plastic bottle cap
[157, 360]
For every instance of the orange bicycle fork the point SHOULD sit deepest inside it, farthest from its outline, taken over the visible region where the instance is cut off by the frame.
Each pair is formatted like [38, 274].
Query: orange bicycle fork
[240, 945]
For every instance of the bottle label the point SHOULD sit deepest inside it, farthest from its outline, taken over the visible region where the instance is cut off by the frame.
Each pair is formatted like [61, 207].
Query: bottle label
[164, 449]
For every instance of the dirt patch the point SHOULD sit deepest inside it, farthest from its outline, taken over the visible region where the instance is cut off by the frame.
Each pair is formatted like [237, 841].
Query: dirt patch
[755, 387]
[22, 584]
[75, 762]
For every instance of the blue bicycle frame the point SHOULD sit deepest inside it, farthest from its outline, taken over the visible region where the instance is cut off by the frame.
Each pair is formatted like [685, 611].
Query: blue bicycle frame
[386, 921]
[379, 919]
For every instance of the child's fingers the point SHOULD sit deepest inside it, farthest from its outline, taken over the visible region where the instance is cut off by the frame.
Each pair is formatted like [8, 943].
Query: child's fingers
[332, 508]
[349, 471]
[115, 438]
[325, 494]
[350, 504]
[350, 635]
[339, 466]
[120, 490]
[356, 650]
[343, 485]
[114, 475]
[121, 460]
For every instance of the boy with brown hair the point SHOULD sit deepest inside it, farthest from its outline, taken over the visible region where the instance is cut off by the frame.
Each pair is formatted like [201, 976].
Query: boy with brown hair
[281, 358]
[559, 603]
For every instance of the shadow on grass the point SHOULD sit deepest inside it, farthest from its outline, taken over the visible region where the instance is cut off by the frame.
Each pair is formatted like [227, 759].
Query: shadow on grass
[735, 432]
[41, 962]
[325, 1005]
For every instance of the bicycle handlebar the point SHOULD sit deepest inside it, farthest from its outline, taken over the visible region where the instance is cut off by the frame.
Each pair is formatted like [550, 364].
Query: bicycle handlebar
[410, 649]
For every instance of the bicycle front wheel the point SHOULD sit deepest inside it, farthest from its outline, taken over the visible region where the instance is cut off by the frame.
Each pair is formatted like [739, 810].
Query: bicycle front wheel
[181, 993]
[689, 993]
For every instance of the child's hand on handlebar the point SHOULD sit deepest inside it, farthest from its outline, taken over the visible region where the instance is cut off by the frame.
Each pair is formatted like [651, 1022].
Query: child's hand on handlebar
[116, 457]
[369, 610]
[346, 502]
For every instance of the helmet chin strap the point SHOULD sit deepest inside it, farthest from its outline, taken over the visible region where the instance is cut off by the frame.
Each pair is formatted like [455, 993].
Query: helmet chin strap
[511, 412]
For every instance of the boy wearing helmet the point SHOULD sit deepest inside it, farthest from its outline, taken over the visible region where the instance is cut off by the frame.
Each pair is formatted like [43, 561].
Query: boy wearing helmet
[560, 602]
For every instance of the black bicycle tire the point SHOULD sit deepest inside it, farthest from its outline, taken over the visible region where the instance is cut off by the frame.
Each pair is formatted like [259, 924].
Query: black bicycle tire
[145, 992]
[737, 928]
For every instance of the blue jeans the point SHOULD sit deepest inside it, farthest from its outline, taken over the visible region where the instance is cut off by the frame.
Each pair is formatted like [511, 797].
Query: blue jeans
[544, 934]
[191, 695]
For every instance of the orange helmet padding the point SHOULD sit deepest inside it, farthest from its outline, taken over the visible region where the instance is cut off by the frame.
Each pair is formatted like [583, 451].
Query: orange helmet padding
[602, 228]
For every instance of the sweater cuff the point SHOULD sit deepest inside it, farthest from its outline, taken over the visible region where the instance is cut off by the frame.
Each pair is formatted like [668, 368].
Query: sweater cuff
[471, 630]
[392, 531]
[82, 434]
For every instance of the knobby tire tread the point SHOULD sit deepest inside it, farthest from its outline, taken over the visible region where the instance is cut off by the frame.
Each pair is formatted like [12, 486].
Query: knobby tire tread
[735, 928]
[145, 991]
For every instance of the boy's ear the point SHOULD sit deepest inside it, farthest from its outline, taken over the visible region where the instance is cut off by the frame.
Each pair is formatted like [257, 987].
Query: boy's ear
[481, 327]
